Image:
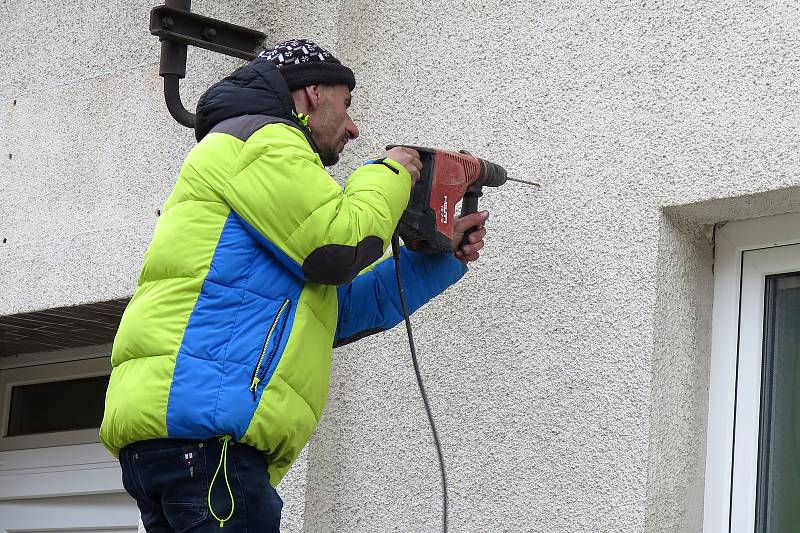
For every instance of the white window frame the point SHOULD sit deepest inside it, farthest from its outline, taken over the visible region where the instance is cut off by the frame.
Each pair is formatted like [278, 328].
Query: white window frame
[66, 463]
[745, 252]
[35, 371]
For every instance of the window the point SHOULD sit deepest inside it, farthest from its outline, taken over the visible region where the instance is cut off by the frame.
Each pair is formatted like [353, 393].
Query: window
[45, 403]
[778, 485]
[753, 456]
[56, 406]
[50, 409]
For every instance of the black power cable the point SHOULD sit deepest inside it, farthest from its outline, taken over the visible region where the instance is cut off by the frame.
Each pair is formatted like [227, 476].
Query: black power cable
[396, 255]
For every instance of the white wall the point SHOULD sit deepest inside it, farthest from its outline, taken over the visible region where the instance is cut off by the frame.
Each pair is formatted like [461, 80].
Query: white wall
[568, 371]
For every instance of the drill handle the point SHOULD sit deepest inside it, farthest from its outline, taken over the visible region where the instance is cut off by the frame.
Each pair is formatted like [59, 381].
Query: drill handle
[469, 205]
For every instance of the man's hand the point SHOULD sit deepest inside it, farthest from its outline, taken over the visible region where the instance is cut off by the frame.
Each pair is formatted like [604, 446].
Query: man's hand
[409, 158]
[469, 252]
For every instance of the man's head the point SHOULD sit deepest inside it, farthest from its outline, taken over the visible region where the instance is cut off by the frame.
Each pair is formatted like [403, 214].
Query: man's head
[320, 87]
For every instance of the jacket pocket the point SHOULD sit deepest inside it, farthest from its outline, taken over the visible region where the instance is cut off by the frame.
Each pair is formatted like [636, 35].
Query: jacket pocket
[269, 350]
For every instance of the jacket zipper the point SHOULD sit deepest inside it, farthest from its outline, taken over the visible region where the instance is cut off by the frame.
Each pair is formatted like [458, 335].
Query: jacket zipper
[257, 377]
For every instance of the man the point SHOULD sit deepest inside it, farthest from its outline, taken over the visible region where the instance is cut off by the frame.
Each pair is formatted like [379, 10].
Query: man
[259, 263]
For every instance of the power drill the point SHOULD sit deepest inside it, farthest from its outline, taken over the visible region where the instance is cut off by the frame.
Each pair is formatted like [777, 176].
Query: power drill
[428, 223]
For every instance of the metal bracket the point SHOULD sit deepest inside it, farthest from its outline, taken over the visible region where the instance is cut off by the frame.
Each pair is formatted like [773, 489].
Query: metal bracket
[177, 28]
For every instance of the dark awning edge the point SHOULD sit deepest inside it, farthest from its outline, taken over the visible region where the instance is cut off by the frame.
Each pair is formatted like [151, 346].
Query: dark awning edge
[61, 327]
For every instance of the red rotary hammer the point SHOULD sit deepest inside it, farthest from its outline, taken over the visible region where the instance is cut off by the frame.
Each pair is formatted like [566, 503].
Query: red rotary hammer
[427, 225]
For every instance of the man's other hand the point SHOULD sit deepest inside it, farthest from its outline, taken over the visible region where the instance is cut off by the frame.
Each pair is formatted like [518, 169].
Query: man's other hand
[409, 158]
[470, 251]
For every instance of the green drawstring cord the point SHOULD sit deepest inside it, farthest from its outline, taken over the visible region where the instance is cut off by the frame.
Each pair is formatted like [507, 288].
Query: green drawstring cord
[223, 459]
[302, 118]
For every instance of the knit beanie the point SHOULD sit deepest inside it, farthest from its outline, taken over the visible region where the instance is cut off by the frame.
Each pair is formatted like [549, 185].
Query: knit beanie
[305, 63]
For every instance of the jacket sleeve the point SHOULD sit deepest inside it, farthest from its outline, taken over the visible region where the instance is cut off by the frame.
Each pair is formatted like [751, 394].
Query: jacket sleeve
[371, 303]
[291, 205]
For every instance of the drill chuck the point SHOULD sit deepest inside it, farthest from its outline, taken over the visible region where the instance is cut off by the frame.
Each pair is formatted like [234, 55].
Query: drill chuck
[495, 174]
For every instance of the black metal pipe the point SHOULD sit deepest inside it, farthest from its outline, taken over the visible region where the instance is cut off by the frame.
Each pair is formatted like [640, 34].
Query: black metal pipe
[173, 68]
[186, 5]
[173, 59]
[172, 96]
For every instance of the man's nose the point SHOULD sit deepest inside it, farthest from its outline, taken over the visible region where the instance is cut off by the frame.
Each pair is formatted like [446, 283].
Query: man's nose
[352, 130]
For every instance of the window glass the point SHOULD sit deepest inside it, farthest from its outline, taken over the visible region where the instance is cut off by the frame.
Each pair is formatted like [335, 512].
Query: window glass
[57, 406]
[778, 494]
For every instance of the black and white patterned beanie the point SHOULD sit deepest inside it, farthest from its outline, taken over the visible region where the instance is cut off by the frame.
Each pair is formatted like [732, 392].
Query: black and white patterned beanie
[305, 63]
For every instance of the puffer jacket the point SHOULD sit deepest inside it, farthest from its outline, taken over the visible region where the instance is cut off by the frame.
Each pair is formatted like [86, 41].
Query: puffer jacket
[258, 265]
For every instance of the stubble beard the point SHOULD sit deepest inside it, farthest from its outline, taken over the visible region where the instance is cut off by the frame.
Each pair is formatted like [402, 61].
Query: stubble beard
[321, 132]
[328, 155]
[328, 151]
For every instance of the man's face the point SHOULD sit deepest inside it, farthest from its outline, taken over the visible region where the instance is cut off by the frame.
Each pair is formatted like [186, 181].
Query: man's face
[331, 125]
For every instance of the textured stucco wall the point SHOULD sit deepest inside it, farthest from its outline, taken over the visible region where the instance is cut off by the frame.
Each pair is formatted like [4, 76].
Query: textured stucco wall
[678, 412]
[568, 370]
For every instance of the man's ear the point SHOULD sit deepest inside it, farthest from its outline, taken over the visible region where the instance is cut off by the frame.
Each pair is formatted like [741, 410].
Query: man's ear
[312, 93]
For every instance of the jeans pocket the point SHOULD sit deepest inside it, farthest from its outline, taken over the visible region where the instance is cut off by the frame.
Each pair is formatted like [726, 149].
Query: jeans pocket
[183, 516]
[177, 478]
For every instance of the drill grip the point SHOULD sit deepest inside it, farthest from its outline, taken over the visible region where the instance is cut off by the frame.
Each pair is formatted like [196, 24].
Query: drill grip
[469, 205]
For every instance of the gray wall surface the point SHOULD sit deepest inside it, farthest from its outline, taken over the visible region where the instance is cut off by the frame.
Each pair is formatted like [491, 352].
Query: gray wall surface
[568, 371]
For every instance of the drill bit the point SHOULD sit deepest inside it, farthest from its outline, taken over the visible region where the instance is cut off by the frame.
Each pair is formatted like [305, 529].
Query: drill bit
[525, 182]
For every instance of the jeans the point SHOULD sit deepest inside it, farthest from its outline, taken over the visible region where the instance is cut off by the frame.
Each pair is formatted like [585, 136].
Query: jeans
[170, 480]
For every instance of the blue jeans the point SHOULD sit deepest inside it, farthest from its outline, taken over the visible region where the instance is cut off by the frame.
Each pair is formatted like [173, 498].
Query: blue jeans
[170, 480]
